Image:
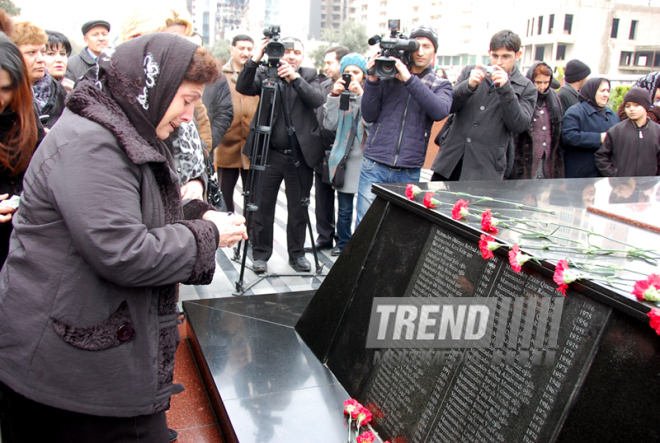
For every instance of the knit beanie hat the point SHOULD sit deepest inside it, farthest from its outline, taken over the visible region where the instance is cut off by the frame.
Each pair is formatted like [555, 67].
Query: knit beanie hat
[428, 32]
[639, 96]
[353, 59]
[576, 71]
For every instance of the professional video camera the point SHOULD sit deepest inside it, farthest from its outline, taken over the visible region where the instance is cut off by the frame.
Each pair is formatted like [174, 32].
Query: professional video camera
[396, 46]
[274, 50]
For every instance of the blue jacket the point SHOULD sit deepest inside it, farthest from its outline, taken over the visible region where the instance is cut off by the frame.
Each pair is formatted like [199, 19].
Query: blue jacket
[580, 135]
[402, 115]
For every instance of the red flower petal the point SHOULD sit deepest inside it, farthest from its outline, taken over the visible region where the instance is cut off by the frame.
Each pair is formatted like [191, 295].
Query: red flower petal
[459, 208]
[654, 317]
[483, 246]
[513, 258]
[410, 195]
[366, 437]
[487, 222]
[428, 197]
[351, 406]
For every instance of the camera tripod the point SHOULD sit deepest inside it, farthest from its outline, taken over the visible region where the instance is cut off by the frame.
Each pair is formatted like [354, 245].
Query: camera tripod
[271, 88]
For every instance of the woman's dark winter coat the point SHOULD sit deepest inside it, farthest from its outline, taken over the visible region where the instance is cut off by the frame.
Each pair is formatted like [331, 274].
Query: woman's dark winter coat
[581, 132]
[524, 143]
[88, 313]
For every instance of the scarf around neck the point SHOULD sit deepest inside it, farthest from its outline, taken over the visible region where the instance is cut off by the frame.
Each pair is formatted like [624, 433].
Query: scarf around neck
[549, 97]
[42, 91]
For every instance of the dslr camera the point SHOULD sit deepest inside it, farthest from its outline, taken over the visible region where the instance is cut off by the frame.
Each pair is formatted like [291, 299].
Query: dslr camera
[275, 50]
[396, 46]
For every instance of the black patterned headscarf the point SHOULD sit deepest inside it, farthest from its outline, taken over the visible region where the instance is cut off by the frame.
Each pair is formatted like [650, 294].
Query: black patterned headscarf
[133, 75]
[650, 82]
[588, 93]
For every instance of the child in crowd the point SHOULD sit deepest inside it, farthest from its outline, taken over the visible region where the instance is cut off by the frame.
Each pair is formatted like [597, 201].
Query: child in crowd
[632, 147]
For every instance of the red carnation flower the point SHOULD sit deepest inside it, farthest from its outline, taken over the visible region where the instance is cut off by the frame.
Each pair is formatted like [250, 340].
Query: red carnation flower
[654, 317]
[488, 223]
[648, 289]
[487, 245]
[517, 258]
[460, 210]
[363, 416]
[563, 276]
[411, 191]
[366, 437]
[351, 406]
[429, 201]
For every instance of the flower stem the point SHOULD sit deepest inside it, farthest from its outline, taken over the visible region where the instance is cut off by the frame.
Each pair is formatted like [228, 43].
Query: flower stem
[481, 199]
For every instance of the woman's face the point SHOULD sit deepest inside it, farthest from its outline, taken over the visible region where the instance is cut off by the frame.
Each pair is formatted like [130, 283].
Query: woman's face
[542, 82]
[181, 109]
[657, 95]
[356, 73]
[6, 90]
[56, 60]
[603, 94]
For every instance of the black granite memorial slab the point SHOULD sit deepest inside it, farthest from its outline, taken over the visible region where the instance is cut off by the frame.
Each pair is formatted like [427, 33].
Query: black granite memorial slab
[544, 360]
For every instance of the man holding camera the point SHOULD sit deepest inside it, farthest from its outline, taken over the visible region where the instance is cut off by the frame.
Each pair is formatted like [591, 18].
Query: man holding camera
[301, 92]
[491, 103]
[402, 110]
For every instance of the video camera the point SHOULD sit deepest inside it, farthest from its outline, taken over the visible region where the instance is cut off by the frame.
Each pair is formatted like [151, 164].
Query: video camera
[397, 46]
[274, 50]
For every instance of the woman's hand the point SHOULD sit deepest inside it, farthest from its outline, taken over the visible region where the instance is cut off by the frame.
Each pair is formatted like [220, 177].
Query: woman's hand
[193, 190]
[5, 211]
[231, 227]
[355, 87]
[338, 87]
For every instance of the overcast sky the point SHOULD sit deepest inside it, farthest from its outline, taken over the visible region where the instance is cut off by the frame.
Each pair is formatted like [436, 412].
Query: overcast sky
[68, 16]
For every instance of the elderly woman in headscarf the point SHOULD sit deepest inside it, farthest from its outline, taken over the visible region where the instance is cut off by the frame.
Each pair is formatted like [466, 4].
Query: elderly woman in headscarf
[88, 295]
[537, 151]
[650, 82]
[585, 127]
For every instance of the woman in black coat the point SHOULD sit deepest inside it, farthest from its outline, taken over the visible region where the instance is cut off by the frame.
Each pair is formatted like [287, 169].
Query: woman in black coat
[585, 126]
[20, 133]
[537, 150]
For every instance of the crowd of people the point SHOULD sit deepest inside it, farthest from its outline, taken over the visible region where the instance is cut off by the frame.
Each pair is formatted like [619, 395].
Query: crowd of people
[110, 155]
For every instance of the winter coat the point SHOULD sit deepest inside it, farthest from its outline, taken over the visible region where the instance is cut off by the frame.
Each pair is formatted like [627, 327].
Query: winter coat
[580, 135]
[229, 146]
[304, 96]
[203, 123]
[331, 121]
[88, 316]
[630, 151]
[402, 114]
[568, 96]
[79, 64]
[484, 120]
[524, 157]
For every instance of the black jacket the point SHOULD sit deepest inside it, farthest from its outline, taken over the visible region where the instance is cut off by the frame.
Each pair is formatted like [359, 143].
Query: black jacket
[55, 105]
[304, 96]
[630, 151]
[219, 107]
[79, 64]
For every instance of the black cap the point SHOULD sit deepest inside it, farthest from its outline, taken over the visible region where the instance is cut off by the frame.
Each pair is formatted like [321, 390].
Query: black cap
[428, 32]
[576, 71]
[639, 96]
[90, 24]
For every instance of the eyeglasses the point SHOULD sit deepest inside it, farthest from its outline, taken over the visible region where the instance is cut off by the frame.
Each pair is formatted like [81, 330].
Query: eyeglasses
[503, 57]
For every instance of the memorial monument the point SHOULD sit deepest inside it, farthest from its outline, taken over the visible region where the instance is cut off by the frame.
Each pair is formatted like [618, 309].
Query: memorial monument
[441, 343]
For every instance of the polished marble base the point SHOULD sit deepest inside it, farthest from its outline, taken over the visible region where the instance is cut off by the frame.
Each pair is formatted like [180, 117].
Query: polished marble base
[265, 383]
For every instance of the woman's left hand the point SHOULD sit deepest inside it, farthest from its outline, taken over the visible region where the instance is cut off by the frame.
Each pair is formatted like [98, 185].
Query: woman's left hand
[355, 87]
[193, 190]
[5, 211]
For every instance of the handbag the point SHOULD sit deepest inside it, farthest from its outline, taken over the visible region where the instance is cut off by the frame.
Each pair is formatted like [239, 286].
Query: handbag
[213, 194]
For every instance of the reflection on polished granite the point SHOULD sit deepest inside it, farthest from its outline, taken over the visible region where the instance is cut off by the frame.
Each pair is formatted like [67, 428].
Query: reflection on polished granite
[267, 380]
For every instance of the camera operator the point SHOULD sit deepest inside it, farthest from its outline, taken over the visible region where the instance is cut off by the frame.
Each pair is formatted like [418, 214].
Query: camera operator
[402, 111]
[302, 93]
[491, 103]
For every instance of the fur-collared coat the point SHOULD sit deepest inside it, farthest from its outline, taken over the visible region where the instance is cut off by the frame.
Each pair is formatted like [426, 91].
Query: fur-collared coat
[88, 317]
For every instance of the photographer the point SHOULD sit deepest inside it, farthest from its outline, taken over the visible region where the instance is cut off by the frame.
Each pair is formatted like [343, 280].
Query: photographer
[347, 148]
[491, 103]
[302, 93]
[402, 111]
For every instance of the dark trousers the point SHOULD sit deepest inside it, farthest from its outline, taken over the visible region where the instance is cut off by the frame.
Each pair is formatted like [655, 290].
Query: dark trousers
[227, 178]
[281, 167]
[325, 210]
[453, 177]
[26, 421]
